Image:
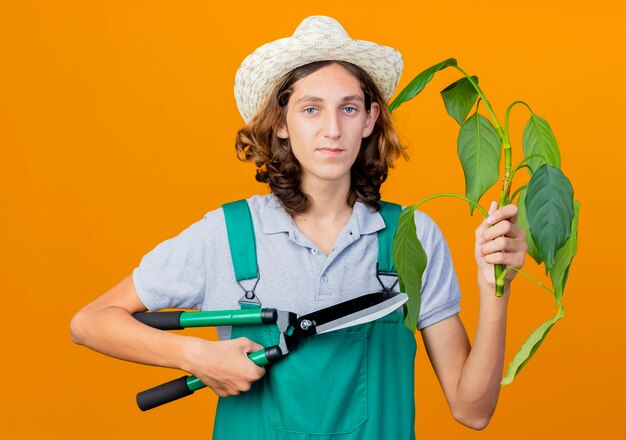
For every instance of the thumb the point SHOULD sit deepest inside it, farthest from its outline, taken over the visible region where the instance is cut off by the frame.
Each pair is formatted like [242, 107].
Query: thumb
[247, 345]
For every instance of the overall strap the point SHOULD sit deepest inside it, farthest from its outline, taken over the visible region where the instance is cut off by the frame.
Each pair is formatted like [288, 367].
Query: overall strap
[242, 243]
[390, 213]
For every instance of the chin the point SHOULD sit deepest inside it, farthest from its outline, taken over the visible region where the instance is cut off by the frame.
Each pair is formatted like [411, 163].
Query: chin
[332, 176]
[334, 173]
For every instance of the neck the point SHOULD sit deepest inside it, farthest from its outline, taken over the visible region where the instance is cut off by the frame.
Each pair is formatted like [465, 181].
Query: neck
[328, 200]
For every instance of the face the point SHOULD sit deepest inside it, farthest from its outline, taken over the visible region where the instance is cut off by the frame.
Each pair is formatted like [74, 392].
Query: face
[326, 121]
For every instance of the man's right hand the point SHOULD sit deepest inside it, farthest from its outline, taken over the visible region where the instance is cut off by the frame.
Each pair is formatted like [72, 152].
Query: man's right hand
[106, 325]
[223, 366]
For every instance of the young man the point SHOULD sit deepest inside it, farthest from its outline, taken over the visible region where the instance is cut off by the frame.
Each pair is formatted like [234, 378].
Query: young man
[318, 129]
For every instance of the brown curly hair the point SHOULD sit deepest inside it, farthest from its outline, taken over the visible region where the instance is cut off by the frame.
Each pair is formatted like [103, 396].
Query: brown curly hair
[257, 142]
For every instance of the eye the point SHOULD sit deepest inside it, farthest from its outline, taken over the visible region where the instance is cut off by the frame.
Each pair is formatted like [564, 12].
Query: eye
[310, 110]
[350, 110]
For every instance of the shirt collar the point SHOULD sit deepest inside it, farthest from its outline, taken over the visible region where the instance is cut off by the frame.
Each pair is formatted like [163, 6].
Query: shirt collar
[276, 219]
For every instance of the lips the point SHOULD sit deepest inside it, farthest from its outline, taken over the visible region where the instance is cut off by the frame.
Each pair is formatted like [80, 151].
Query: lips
[329, 151]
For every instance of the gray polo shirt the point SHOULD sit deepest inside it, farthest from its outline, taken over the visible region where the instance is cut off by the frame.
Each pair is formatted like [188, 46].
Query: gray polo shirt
[194, 269]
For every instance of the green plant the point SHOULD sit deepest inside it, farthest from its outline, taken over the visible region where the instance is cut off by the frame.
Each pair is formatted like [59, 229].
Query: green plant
[547, 213]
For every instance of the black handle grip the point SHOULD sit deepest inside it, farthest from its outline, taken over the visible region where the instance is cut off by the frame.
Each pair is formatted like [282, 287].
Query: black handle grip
[160, 320]
[164, 393]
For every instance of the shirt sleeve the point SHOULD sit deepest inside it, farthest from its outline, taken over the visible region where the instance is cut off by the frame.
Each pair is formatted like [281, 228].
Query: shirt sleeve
[174, 273]
[440, 296]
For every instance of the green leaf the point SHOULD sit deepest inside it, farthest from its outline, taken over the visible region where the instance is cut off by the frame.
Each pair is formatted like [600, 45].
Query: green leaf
[419, 82]
[410, 260]
[522, 222]
[529, 347]
[459, 98]
[564, 257]
[550, 211]
[479, 150]
[539, 139]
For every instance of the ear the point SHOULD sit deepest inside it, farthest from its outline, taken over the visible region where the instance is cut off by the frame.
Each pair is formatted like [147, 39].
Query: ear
[282, 132]
[370, 121]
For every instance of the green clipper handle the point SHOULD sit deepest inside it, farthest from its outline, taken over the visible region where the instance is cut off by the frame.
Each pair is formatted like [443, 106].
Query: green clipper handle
[186, 385]
[179, 320]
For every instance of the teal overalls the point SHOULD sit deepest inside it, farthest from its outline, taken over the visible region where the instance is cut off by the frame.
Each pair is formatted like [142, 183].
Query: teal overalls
[353, 383]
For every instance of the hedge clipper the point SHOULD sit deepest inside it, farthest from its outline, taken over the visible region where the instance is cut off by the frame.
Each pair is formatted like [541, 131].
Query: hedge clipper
[293, 330]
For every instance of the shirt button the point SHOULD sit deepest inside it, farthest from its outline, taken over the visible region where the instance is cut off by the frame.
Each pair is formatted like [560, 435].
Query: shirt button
[314, 251]
[324, 279]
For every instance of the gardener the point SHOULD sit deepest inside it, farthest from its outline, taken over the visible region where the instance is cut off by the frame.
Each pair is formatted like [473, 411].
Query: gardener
[318, 129]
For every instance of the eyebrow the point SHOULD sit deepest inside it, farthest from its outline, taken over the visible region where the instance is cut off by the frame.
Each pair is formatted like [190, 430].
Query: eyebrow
[349, 98]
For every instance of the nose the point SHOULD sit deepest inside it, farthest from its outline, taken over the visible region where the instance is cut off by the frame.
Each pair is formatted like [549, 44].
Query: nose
[332, 126]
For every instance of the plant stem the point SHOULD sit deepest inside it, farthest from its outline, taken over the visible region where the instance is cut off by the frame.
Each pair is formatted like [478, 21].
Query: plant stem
[501, 280]
[458, 196]
[523, 165]
[508, 175]
[518, 190]
[506, 183]
[508, 109]
[487, 104]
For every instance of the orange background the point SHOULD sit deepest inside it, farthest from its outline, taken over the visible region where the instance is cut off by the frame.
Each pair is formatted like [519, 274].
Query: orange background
[117, 122]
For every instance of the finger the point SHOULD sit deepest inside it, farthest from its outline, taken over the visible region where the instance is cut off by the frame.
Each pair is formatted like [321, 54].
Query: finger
[253, 372]
[259, 373]
[506, 212]
[507, 259]
[256, 347]
[505, 228]
[503, 244]
[247, 345]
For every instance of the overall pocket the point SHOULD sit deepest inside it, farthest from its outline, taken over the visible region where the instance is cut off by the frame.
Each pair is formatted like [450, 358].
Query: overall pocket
[320, 387]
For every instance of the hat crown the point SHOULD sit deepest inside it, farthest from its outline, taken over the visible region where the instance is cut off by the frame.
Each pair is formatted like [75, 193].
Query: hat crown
[317, 38]
[320, 28]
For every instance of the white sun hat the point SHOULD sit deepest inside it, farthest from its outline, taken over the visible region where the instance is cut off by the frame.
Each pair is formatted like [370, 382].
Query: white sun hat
[317, 38]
